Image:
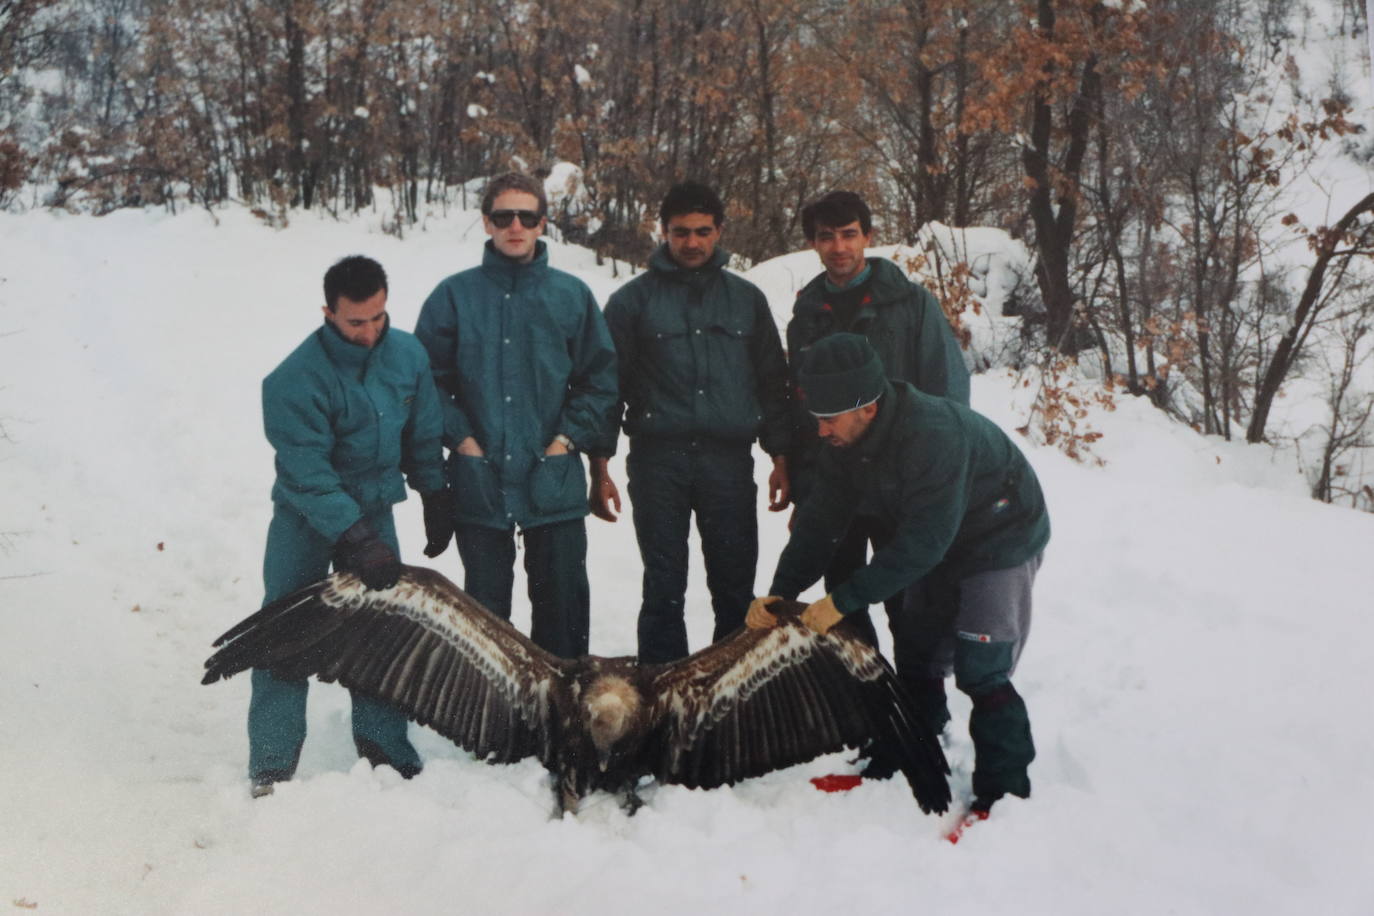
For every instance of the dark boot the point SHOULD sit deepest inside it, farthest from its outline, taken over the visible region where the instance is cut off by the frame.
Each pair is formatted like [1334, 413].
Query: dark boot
[1002, 745]
[928, 696]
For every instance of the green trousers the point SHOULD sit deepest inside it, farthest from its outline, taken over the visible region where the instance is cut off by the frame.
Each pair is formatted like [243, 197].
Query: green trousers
[297, 556]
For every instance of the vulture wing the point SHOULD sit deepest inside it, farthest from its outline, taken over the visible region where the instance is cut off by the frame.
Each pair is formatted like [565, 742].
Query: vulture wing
[761, 700]
[424, 645]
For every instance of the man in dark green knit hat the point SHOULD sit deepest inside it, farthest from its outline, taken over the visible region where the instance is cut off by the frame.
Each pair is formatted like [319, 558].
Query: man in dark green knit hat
[962, 501]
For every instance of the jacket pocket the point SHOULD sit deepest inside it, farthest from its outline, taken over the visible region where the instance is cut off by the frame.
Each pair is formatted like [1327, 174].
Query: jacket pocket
[558, 484]
[476, 489]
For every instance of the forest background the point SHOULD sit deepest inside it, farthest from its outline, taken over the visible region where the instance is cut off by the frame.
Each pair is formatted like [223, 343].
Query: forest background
[1167, 162]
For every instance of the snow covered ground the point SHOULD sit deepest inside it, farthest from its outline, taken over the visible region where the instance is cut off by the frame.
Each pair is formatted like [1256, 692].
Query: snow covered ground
[1196, 676]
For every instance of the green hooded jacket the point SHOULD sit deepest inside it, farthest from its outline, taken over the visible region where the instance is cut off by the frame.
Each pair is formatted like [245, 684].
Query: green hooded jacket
[903, 322]
[957, 492]
[699, 355]
[346, 422]
[520, 354]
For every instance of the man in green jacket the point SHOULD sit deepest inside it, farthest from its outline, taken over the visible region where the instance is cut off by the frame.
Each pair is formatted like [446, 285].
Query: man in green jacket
[960, 498]
[908, 329]
[350, 411]
[702, 375]
[526, 373]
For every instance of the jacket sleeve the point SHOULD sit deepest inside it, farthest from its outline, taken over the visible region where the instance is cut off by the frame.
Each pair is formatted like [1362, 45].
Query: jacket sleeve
[422, 450]
[933, 502]
[805, 443]
[820, 524]
[437, 329]
[939, 360]
[621, 317]
[295, 417]
[773, 381]
[592, 388]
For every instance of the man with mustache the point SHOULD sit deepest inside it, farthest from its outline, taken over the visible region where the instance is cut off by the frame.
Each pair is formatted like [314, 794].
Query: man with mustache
[702, 376]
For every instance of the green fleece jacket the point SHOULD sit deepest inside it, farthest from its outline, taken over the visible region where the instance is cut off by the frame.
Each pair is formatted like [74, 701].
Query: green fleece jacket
[955, 490]
[905, 325]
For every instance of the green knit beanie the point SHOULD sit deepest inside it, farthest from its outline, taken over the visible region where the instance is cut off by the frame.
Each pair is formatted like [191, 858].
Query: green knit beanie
[840, 373]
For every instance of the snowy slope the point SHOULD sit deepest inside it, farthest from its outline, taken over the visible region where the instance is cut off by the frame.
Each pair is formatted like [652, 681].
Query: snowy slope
[1196, 675]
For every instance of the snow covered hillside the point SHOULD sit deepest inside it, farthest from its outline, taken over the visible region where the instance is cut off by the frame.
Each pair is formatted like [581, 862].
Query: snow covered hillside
[1196, 675]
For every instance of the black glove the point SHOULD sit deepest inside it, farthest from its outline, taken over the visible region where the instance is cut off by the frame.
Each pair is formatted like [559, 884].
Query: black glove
[438, 521]
[361, 552]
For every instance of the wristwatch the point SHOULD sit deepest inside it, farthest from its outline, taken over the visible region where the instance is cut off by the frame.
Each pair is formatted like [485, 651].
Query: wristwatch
[567, 443]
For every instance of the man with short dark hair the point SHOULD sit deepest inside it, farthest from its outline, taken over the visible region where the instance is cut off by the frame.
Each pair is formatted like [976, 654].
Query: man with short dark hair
[526, 373]
[349, 412]
[702, 376]
[956, 493]
[870, 296]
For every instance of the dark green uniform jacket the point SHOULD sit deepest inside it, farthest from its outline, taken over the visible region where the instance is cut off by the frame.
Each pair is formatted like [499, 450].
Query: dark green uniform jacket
[699, 356]
[953, 487]
[520, 354]
[903, 322]
[346, 421]
[905, 325]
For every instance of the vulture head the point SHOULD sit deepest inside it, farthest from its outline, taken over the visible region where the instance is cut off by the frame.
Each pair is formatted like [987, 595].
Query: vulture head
[756, 701]
[611, 713]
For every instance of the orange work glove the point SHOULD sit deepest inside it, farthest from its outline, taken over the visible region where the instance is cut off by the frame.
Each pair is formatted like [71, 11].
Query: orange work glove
[759, 617]
[822, 615]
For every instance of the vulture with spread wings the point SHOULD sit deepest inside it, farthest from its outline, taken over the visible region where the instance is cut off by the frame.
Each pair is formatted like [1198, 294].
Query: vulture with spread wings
[757, 701]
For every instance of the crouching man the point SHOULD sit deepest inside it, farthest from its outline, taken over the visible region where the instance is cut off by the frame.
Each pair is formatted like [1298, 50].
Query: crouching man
[348, 412]
[963, 502]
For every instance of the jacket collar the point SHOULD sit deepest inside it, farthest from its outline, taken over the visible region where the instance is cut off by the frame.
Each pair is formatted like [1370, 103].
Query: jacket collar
[346, 354]
[662, 262]
[879, 431]
[504, 270]
[886, 282]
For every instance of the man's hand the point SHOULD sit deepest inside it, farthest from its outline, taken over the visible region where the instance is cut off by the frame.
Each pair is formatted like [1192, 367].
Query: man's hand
[602, 493]
[559, 446]
[822, 615]
[470, 448]
[779, 487]
[438, 521]
[759, 617]
[361, 552]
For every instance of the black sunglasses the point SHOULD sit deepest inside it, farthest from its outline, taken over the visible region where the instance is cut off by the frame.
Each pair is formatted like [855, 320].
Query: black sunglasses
[501, 219]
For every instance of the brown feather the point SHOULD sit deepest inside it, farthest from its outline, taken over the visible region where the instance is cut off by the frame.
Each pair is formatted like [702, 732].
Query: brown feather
[756, 701]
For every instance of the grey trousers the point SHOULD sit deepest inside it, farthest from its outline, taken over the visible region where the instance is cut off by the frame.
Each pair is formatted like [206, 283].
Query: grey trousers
[975, 628]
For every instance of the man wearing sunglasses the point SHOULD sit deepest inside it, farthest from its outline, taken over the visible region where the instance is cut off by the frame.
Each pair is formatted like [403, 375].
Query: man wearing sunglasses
[526, 373]
[702, 376]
